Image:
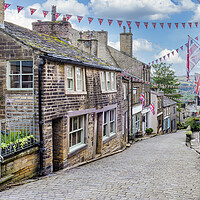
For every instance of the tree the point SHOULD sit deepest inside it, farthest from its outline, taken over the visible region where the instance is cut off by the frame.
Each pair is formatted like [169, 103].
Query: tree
[164, 75]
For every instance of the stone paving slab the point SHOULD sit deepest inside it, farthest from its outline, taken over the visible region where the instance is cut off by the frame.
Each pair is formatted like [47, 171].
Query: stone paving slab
[158, 168]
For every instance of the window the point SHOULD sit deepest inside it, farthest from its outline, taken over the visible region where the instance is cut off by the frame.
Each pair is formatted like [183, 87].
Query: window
[20, 75]
[125, 95]
[75, 79]
[76, 131]
[109, 125]
[174, 109]
[108, 81]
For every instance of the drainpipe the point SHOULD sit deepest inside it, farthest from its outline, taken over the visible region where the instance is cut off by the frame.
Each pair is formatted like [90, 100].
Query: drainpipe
[41, 63]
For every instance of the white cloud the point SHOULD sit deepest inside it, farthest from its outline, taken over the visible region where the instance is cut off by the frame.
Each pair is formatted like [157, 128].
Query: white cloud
[174, 59]
[146, 9]
[115, 45]
[196, 16]
[142, 45]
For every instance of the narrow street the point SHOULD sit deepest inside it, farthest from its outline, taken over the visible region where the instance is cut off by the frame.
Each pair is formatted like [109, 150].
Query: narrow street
[158, 168]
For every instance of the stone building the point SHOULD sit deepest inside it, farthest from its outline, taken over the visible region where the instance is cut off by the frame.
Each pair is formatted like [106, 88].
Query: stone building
[96, 43]
[169, 115]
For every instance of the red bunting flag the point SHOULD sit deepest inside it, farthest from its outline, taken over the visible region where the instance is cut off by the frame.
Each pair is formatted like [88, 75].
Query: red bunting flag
[173, 53]
[79, 18]
[183, 25]
[19, 8]
[186, 44]
[68, 17]
[137, 24]
[196, 24]
[146, 24]
[32, 10]
[177, 50]
[152, 62]
[190, 24]
[168, 55]
[100, 20]
[169, 24]
[119, 22]
[181, 48]
[160, 59]
[162, 24]
[129, 23]
[196, 38]
[110, 21]
[45, 13]
[6, 5]
[57, 15]
[157, 61]
[90, 19]
[164, 57]
[154, 25]
[176, 24]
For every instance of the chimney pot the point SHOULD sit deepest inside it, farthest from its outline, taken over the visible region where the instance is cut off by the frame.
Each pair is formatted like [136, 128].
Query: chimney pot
[129, 29]
[64, 19]
[124, 29]
[39, 20]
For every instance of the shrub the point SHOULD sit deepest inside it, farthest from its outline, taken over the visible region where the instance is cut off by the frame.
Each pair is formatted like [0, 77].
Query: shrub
[194, 123]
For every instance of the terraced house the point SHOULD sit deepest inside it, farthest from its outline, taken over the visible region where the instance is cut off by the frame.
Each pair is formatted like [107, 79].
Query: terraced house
[60, 105]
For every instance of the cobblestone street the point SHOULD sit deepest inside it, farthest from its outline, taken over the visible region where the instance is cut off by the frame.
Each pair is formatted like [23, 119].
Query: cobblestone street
[158, 168]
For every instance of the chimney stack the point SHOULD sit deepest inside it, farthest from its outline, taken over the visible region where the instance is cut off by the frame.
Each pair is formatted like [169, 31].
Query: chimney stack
[53, 14]
[1, 13]
[126, 42]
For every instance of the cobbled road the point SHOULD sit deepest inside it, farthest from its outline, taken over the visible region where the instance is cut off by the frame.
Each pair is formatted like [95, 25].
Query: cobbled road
[158, 168]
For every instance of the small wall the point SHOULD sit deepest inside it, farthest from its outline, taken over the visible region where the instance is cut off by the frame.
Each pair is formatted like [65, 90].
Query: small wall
[21, 166]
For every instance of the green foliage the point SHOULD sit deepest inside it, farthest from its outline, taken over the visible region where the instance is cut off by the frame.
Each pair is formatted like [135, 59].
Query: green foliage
[193, 122]
[164, 75]
[149, 130]
[180, 125]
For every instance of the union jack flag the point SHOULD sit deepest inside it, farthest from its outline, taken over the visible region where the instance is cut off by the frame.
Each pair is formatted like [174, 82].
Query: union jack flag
[142, 99]
[197, 82]
[152, 108]
[193, 55]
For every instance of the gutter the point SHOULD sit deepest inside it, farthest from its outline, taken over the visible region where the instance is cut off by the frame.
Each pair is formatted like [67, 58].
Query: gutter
[41, 63]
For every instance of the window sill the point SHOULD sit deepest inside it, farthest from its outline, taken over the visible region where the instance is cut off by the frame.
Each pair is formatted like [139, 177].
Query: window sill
[109, 91]
[76, 150]
[19, 91]
[107, 139]
[68, 92]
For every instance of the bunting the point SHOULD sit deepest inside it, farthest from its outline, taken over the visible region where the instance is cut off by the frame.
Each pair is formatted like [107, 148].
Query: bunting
[197, 84]
[128, 23]
[45, 13]
[142, 99]
[57, 15]
[137, 24]
[110, 21]
[119, 22]
[19, 8]
[152, 108]
[68, 17]
[90, 19]
[6, 5]
[100, 20]
[79, 18]
[146, 24]
[32, 11]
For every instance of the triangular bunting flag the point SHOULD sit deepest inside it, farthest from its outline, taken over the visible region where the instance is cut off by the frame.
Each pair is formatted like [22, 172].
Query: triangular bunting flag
[57, 15]
[176, 24]
[164, 57]
[186, 44]
[181, 48]
[32, 10]
[100, 20]
[160, 59]
[173, 53]
[68, 17]
[90, 19]
[169, 24]
[162, 24]
[168, 55]
[152, 62]
[45, 13]
[79, 18]
[196, 38]
[154, 25]
[146, 24]
[19, 8]
[196, 24]
[183, 25]
[177, 50]
[110, 21]
[6, 5]
[129, 23]
[190, 24]
[119, 22]
[137, 24]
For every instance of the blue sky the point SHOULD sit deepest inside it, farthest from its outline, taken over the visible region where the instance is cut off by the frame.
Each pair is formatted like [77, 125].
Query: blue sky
[148, 44]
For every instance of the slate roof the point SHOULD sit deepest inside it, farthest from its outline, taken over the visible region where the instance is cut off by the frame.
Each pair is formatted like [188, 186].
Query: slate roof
[55, 48]
[168, 102]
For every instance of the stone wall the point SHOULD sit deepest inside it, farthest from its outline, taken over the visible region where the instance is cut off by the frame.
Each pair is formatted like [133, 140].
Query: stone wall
[1, 11]
[21, 166]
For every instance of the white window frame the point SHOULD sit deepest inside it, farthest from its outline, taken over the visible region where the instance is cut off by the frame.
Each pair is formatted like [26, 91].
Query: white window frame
[9, 74]
[107, 124]
[75, 89]
[108, 78]
[125, 91]
[136, 123]
[75, 131]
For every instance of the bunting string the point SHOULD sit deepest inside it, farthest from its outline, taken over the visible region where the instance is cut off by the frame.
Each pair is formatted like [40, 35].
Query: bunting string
[138, 24]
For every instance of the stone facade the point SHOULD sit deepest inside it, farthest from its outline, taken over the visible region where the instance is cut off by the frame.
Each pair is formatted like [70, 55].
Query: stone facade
[1, 12]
